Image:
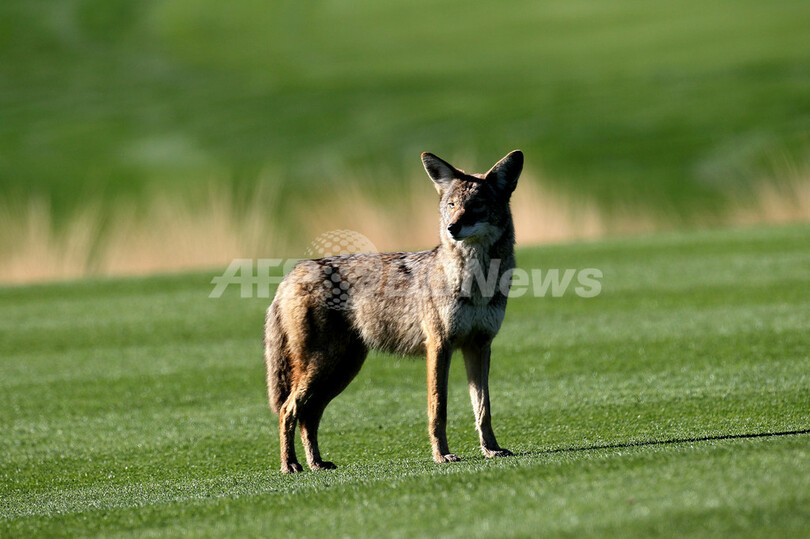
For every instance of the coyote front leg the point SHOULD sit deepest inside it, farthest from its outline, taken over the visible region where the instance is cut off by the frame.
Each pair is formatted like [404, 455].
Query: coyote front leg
[476, 360]
[438, 368]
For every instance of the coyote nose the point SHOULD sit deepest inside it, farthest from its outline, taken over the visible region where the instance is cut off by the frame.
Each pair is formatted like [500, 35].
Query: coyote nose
[454, 228]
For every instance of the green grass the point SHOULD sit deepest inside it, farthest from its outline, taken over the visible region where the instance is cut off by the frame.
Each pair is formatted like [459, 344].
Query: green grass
[668, 104]
[137, 407]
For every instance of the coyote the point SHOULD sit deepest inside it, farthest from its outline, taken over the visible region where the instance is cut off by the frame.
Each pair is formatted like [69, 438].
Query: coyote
[328, 313]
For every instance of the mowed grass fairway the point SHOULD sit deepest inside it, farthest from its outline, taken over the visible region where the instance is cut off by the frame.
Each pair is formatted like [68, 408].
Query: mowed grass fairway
[676, 401]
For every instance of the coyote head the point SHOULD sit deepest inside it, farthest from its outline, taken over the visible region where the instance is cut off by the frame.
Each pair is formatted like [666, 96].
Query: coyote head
[474, 208]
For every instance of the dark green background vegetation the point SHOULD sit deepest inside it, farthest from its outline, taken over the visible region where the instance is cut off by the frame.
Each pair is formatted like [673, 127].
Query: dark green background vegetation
[665, 104]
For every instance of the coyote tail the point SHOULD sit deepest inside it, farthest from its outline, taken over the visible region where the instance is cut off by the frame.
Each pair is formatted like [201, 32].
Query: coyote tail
[275, 359]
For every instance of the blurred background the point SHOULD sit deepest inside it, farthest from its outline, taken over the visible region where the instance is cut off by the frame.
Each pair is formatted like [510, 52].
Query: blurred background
[142, 136]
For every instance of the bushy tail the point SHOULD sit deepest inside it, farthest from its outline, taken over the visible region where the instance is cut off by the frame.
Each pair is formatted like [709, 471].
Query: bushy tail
[275, 359]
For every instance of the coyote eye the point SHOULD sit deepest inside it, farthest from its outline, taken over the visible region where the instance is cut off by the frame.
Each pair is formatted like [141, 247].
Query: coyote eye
[451, 205]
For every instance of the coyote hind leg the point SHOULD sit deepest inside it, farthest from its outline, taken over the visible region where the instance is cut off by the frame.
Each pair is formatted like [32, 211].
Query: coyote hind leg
[325, 379]
[309, 421]
[331, 379]
[287, 418]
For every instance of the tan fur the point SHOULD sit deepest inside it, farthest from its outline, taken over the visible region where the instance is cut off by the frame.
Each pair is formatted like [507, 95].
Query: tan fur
[317, 334]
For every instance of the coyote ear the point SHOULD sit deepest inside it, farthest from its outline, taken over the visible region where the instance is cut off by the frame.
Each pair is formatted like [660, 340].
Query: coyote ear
[505, 173]
[439, 170]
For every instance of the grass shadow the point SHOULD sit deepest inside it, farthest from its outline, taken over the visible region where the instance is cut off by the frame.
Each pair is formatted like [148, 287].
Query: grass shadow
[670, 441]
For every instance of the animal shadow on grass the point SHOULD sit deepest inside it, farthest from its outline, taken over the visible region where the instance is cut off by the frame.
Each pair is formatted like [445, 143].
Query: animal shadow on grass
[669, 441]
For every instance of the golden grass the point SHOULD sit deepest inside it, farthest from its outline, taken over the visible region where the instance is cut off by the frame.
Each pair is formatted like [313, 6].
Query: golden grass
[175, 233]
[169, 233]
[786, 201]
[172, 232]
[31, 249]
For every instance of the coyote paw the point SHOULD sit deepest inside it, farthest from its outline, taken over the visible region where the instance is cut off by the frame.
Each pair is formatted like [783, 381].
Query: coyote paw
[489, 453]
[292, 467]
[322, 465]
[450, 457]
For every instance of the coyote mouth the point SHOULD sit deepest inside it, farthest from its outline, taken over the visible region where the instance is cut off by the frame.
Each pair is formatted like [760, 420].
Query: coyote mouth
[478, 232]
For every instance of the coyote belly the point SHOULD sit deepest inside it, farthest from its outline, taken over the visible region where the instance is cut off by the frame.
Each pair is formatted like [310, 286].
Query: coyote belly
[328, 313]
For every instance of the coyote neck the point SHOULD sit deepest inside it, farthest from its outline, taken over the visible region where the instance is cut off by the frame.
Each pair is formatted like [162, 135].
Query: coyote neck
[463, 257]
[462, 260]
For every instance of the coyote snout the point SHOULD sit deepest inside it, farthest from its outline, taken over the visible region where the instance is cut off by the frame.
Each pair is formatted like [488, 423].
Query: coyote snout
[403, 303]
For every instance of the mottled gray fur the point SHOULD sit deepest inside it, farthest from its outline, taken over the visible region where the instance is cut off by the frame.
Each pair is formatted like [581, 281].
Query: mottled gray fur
[328, 313]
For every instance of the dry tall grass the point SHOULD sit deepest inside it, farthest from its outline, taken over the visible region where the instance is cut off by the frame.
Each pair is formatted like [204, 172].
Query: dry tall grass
[173, 232]
[786, 201]
[31, 249]
[170, 232]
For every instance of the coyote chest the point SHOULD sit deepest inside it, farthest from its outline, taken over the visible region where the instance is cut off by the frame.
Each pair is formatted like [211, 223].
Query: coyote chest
[477, 306]
[466, 319]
